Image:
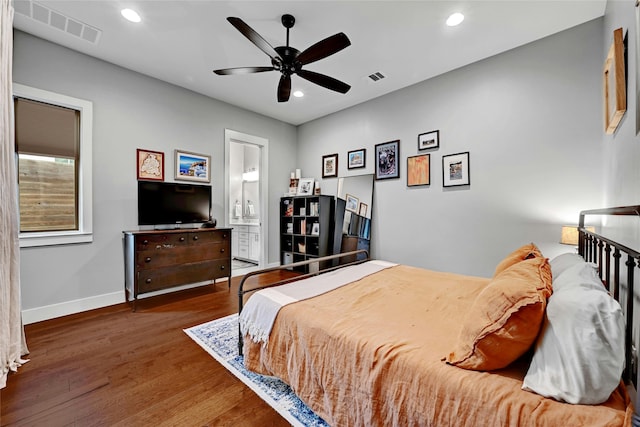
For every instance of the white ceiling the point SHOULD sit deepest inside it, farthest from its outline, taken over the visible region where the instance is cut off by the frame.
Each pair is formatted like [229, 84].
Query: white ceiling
[181, 42]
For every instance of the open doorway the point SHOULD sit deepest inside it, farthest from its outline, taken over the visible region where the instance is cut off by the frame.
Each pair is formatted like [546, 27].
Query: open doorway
[246, 189]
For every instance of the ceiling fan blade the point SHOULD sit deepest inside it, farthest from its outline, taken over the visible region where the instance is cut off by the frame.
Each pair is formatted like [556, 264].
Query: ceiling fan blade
[324, 81]
[242, 70]
[284, 88]
[324, 48]
[254, 37]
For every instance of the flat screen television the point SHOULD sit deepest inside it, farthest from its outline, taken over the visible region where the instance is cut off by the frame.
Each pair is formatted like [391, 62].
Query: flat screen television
[172, 203]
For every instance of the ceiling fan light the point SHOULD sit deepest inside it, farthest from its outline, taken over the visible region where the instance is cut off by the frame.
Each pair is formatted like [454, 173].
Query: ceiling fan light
[298, 94]
[131, 15]
[455, 19]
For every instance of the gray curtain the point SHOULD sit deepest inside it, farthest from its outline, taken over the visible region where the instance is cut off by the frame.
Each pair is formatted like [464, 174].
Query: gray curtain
[12, 342]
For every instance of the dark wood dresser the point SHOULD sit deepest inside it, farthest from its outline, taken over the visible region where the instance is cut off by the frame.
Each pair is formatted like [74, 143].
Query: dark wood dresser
[162, 259]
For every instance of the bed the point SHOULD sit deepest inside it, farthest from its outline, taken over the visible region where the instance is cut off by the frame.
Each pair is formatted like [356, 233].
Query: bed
[388, 345]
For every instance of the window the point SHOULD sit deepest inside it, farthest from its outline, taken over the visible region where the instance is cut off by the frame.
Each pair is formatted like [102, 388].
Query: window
[53, 145]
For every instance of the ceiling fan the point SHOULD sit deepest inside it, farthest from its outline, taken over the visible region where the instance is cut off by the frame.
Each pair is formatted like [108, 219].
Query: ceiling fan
[289, 60]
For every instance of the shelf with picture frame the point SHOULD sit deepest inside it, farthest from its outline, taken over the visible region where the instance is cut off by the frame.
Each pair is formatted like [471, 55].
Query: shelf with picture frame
[306, 228]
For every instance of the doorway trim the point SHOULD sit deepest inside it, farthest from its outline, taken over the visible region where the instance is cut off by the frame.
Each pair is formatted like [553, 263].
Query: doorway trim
[232, 136]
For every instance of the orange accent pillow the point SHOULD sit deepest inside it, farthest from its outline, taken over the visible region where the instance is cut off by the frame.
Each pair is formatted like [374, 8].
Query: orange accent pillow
[505, 318]
[524, 252]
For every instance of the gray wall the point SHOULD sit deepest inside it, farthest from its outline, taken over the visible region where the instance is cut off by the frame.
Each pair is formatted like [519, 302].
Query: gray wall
[621, 159]
[131, 111]
[531, 120]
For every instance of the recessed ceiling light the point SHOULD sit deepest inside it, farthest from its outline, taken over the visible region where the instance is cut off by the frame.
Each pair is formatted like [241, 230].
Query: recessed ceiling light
[298, 94]
[455, 19]
[131, 15]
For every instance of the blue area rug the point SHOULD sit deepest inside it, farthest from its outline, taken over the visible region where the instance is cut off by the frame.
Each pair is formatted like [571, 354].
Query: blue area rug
[220, 339]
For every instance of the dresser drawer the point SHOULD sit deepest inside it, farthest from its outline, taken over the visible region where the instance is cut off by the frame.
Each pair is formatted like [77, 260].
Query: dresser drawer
[164, 256]
[159, 241]
[211, 237]
[167, 277]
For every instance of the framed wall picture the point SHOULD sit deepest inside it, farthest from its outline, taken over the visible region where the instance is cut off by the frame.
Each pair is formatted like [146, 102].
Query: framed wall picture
[150, 165]
[419, 170]
[387, 157]
[352, 203]
[362, 210]
[614, 82]
[330, 165]
[193, 166]
[455, 170]
[429, 140]
[356, 159]
[305, 186]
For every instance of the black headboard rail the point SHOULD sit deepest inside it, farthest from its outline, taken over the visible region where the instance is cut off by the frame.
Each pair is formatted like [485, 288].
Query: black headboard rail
[604, 251]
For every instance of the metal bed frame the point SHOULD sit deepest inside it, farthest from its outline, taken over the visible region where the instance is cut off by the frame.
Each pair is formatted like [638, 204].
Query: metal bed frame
[604, 252]
[608, 254]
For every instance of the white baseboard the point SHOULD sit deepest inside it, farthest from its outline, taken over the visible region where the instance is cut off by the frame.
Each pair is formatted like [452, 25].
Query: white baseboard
[52, 311]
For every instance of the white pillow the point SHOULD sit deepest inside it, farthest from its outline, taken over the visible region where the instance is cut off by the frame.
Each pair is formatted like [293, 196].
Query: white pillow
[562, 262]
[579, 356]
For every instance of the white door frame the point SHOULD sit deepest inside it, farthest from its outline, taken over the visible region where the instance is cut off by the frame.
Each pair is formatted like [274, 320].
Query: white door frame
[263, 144]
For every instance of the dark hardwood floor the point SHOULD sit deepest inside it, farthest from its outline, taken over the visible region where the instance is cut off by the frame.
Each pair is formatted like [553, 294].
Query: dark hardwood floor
[115, 367]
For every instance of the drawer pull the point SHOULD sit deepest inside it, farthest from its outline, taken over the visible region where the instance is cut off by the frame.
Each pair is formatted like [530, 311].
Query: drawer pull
[147, 259]
[148, 281]
[195, 237]
[222, 267]
[222, 250]
[224, 236]
[182, 239]
[145, 242]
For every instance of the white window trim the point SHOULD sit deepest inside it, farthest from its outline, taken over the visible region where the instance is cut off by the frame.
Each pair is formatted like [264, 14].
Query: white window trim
[84, 234]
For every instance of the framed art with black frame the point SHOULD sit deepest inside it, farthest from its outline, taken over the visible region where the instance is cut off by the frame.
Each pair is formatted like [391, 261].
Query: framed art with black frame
[387, 156]
[330, 165]
[455, 170]
[418, 170]
[429, 140]
[356, 159]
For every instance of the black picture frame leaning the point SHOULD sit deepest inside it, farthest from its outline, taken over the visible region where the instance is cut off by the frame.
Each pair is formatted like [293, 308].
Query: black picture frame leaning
[455, 170]
[429, 140]
[357, 159]
[388, 160]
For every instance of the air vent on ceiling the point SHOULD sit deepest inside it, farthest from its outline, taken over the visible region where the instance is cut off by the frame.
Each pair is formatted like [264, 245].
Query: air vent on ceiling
[52, 18]
[377, 76]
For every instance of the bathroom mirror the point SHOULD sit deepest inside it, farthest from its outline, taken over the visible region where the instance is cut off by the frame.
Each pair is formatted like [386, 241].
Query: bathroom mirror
[354, 203]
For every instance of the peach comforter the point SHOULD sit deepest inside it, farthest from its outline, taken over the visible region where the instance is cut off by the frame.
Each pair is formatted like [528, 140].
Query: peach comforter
[370, 354]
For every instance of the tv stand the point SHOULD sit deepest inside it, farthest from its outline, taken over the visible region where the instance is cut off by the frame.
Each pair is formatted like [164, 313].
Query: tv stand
[156, 260]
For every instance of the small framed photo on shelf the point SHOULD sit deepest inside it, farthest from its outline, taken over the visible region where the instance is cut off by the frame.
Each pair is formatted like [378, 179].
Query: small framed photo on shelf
[352, 203]
[193, 166]
[387, 156]
[356, 159]
[305, 186]
[429, 140]
[455, 170]
[315, 229]
[418, 170]
[330, 165]
[150, 165]
[362, 210]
